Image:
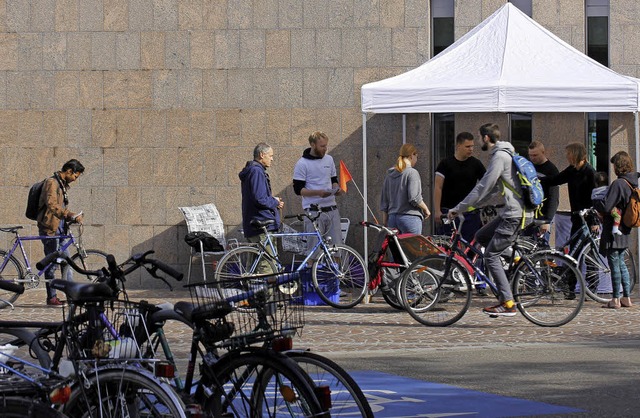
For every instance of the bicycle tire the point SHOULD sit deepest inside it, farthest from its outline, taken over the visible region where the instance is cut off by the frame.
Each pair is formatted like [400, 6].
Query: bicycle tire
[392, 299]
[14, 272]
[347, 399]
[597, 275]
[143, 396]
[244, 262]
[89, 260]
[542, 291]
[261, 383]
[14, 407]
[340, 277]
[435, 293]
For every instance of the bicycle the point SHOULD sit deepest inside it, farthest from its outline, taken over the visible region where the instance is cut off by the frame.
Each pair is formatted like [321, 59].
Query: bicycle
[96, 337]
[390, 259]
[229, 386]
[584, 246]
[338, 272]
[24, 395]
[268, 303]
[13, 270]
[440, 290]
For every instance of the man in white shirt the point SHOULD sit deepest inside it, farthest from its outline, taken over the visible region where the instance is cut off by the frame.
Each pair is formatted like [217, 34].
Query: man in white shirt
[316, 180]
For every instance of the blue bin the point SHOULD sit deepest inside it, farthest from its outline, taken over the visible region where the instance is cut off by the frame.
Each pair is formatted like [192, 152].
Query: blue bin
[309, 297]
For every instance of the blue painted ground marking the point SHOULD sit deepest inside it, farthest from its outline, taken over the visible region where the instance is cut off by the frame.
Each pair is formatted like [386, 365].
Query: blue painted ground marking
[393, 396]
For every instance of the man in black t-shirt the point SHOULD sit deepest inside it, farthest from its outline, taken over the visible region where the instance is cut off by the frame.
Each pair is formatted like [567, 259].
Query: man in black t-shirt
[455, 177]
[545, 168]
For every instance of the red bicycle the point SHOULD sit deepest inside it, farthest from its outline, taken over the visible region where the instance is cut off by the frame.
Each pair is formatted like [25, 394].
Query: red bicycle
[392, 254]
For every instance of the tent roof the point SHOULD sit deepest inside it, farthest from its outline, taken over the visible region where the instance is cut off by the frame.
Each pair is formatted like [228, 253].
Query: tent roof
[508, 63]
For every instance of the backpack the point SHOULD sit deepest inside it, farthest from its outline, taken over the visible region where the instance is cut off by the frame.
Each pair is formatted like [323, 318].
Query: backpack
[631, 213]
[532, 193]
[33, 200]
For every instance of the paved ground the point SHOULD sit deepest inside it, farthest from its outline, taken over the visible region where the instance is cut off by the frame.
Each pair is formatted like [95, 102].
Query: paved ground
[592, 363]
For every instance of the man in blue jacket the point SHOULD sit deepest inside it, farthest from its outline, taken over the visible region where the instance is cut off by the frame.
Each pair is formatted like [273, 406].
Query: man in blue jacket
[258, 201]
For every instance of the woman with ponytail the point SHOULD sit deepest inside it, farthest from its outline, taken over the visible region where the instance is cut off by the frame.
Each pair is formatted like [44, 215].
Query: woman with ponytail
[401, 201]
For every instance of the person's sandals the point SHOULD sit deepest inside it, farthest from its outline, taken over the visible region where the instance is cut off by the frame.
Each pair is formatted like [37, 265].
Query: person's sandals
[612, 304]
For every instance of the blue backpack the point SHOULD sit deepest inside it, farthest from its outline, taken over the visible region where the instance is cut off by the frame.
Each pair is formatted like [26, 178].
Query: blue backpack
[531, 192]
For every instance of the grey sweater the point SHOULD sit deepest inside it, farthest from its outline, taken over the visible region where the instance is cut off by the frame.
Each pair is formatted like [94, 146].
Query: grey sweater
[501, 177]
[402, 192]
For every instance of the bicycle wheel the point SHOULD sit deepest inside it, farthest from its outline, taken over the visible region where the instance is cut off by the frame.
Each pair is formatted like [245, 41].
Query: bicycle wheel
[261, 384]
[123, 392]
[12, 407]
[597, 275]
[436, 291]
[88, 260]
[548, 288]
[347, 398]
[13, 272]
[340, 277]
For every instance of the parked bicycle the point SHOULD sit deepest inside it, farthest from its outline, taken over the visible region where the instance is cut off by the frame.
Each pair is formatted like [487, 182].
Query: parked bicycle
[584, 246]
[12, 269]
[94, 343]
[338, 271]
[547, 286]
[393, 253]
[262, 322]
[238, 383]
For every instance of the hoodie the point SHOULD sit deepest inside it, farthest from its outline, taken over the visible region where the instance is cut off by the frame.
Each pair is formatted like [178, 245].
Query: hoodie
[257, 199]
[617, 196]
[402, 192]
[501, 177]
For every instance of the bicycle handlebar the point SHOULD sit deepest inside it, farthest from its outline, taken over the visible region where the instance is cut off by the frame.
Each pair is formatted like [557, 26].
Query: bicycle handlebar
[379, 227]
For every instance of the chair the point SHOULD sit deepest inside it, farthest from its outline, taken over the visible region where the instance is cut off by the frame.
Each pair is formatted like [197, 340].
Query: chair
[203, 218]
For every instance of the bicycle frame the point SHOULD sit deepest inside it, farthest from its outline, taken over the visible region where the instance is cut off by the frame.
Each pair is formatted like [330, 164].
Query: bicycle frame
[17, 243]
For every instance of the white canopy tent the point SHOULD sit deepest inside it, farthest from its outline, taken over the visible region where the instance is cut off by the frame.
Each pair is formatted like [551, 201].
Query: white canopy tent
[508, 63]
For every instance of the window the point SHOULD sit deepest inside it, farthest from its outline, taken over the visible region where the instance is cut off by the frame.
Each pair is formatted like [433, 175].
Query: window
[598, 30]
[444, 136]
[442, 31]
[598, 48]
[598, 141]
[520, 132]
[524, 5]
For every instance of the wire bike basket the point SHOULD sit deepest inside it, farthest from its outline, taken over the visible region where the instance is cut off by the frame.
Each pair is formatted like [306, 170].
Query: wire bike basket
[109, 330]
[248, 310]
[293, 244]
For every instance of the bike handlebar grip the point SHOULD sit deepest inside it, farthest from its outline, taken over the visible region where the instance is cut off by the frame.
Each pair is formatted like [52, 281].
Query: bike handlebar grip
[290, 216]
[111, 263]
[168, 270]
[48, 259]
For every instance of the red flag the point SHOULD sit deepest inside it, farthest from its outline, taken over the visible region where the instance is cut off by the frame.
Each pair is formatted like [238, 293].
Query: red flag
[345, 176]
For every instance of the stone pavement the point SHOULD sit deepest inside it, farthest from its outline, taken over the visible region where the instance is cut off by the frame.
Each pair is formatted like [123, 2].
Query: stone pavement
[373, 328]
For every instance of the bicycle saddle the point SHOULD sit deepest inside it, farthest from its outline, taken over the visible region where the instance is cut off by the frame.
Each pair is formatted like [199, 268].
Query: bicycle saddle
[11, 228]
[83, 292]
[262, 223]
[193, 314]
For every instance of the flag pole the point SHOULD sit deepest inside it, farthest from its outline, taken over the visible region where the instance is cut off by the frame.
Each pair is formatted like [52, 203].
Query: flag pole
[365, 202]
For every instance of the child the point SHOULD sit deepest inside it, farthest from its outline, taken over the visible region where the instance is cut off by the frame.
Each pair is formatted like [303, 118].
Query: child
[599, 193]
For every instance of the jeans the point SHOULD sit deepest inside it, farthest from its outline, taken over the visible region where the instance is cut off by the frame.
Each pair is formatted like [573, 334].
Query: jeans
[497, 236]
[619, 272]
[406, 224]
[263, 266]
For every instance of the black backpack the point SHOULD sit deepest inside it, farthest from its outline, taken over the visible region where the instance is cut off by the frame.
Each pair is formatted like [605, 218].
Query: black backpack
[33, 200]
[209, 242]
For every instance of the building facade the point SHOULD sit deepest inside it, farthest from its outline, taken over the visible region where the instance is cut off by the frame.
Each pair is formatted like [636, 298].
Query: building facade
[164, 100]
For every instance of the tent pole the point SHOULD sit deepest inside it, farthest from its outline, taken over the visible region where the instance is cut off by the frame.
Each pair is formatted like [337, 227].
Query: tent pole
[636, 125]
[365, 186]
[404, 128]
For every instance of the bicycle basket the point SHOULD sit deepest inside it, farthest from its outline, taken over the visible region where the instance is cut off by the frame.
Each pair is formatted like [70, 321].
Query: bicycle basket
[293, 244]
[109, 330]
[249, 310]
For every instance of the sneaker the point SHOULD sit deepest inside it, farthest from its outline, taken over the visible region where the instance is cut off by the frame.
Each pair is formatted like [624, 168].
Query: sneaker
[569, 295]
[499, 310]
[54, 301]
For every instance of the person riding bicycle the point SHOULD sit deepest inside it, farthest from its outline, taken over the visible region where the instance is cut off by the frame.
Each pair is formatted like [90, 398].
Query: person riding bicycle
[499, 234]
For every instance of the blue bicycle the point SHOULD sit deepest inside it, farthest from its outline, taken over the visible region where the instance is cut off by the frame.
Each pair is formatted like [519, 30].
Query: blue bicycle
[338, 272]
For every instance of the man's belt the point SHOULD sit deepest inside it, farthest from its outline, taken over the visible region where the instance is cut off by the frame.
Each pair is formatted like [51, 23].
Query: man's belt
[325, 209]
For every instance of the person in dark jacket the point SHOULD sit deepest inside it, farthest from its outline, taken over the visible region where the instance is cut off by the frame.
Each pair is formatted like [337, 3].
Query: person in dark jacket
[258, 201]
[614, 245]
[580, 178]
